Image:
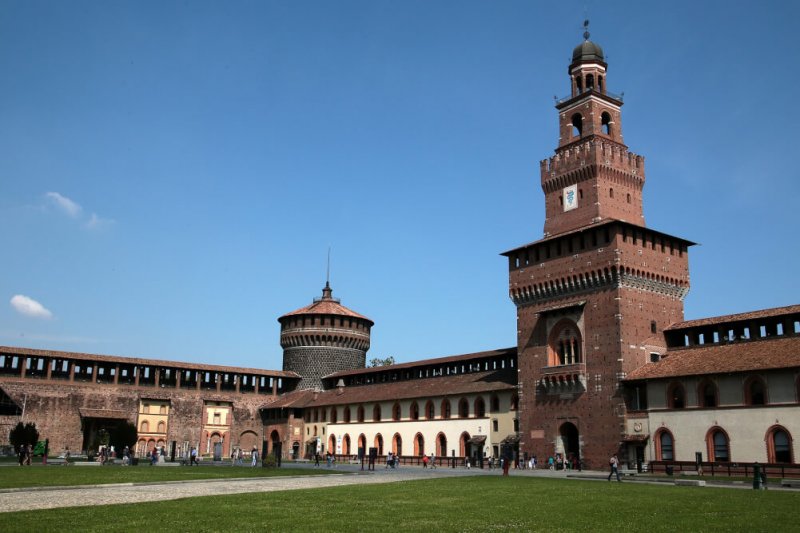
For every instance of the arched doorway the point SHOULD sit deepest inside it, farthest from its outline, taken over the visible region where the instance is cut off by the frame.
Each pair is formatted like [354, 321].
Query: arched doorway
[397, 444]
[275, 445]
[441, 445]
[332, 443]
[569, 443]
[346, 445]
[362, 443]
[295, 450]
[463, 445]
[379, 443]
[419, 444]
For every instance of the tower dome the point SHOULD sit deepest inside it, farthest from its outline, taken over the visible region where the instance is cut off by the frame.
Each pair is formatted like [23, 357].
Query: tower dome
[588, 51]
[323, 338]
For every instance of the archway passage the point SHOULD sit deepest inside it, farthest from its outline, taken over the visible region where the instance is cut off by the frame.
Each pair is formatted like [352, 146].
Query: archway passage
[570, 441]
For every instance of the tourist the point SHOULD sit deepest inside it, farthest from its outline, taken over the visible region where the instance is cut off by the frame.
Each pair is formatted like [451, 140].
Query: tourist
[389, 460]
[551, 463]
[424, 461]
[316, 459]
[614, 464]
[193, 457]
[254, 455]
[433, 461]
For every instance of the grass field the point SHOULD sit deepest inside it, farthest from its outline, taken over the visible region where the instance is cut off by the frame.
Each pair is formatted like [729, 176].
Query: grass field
[447, 504]
[50, 476]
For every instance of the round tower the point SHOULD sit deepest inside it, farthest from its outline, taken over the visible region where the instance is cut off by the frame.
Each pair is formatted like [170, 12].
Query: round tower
[323, 338]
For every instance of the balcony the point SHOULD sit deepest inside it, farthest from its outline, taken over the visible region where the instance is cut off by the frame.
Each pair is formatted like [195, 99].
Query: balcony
[563, 378]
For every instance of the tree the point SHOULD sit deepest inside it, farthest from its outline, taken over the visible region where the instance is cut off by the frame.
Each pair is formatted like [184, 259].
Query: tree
[377, 361]
[23, 435]
[123, 434]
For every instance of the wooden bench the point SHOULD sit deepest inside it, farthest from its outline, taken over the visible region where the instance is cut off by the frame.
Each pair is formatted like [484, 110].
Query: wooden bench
[792, 483]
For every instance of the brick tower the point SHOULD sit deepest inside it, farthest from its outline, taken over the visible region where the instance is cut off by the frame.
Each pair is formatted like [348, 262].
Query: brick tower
[593, 295]
[323, 338]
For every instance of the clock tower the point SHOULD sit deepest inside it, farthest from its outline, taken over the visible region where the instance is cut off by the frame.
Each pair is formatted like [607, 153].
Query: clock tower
[594, 295]
[592, 177]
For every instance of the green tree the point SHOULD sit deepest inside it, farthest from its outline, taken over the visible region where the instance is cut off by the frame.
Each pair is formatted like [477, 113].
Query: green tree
[377, 361]
[123, 434]
[23, 435]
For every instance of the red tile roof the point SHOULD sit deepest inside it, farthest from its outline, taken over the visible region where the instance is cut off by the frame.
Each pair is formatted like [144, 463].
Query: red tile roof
[753, 315]
[426, 362]
[767, 354]
[12, 350]
[327, 305]
[453, 385]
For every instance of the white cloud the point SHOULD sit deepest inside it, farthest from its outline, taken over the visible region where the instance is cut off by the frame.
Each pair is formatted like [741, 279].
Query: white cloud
[29, 307]
[96, 222]
[69, 207]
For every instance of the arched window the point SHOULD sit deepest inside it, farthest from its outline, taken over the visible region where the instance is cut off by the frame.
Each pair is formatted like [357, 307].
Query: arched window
[376, 413]
[162, 427]
[413, 411]
[589, 81]
[565, 344]
[779, 445]
[332, 443]
[676, 396]
[579, 84]
[396, 412]
[605, 123]
[755, 392]
[463, 408]
[347, 415]
[334, 415]
[707, 393]
[514, 402]
[162, 410]
[360, 413]
[379, 443]
[494, 403]
[480, 407]
[577, 125]
[665, 446]
[144, 427]
[430, 410]
[718, 445]
[628, 198]
[445, 408]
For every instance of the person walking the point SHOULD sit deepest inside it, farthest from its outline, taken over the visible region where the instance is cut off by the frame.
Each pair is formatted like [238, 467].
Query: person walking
[614, 464]
[254, 455]
[193, 457]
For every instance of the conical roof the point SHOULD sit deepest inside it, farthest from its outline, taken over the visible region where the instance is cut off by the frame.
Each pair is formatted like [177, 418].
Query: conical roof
[327, 305]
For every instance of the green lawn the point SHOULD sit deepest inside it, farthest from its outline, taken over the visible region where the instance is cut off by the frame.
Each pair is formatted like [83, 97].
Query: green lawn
[478, 503]
[40, 476]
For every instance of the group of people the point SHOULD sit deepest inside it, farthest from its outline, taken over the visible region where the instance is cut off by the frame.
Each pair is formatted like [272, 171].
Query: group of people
[330, 459]
[25, 453]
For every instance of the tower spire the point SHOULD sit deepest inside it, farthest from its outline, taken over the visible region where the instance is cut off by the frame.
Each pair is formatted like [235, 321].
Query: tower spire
[327, 292]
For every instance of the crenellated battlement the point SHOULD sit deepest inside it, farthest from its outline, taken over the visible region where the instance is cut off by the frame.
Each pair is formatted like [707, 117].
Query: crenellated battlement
[593, 151]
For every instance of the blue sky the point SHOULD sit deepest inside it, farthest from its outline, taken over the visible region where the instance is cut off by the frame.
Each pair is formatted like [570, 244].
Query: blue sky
[173, 173]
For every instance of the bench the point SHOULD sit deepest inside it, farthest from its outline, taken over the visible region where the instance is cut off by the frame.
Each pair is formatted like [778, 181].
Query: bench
[85, 463]
[627, 472]
[690, 482]
[792, 483]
